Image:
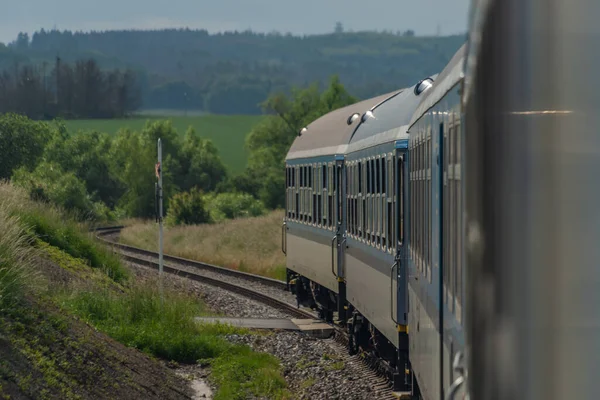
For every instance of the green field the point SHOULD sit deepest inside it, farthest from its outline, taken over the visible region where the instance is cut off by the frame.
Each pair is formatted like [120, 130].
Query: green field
[228, 133]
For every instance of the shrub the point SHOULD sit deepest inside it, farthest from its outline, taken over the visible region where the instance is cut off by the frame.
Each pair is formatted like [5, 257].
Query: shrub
[187, 208]
[233, 205]
[49, 183]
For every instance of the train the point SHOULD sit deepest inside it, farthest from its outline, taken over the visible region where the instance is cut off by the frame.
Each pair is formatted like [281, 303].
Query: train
[449, 225]
[361, 183]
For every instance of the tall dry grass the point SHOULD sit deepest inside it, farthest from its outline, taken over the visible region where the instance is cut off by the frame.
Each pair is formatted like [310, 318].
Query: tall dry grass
[17, 258]
[249, 244]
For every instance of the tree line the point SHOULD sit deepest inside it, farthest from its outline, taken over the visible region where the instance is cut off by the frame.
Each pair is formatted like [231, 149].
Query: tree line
[233, 72]
[81, 90]
[102, 177]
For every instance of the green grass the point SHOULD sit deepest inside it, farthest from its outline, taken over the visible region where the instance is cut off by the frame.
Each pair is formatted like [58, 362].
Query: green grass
[66, 235]
[137, 319]
[228, 133]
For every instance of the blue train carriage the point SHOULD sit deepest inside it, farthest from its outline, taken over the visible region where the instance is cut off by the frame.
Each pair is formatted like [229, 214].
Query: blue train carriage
[436, 241]
[314, 226]
[374, 266]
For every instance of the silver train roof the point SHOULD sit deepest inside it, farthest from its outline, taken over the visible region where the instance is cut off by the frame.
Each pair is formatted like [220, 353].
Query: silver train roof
[446, 80]
[330, 134]
[390, 119]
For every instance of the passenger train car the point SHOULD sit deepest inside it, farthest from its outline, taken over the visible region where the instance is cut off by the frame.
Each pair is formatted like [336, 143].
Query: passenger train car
[532, 149]
[363, 200]
[435, 287]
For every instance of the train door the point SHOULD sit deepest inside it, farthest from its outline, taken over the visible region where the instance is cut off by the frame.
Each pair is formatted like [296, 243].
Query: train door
[340, 234]
[399, 270]
[440, 237]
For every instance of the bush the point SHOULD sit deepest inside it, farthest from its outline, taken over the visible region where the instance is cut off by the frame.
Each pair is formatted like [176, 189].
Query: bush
[233, 205]
[22, 143]
[49, 183]
[187, 208]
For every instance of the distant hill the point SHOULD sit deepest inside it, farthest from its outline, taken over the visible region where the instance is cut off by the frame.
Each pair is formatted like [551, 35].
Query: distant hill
[230, 73]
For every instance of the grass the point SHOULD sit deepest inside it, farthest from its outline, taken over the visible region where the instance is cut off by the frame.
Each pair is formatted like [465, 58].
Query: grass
[69, 237]
[42, 222]
[228, 133]
[138, 320]
[17, 260]
[132, 314]
[250, 244]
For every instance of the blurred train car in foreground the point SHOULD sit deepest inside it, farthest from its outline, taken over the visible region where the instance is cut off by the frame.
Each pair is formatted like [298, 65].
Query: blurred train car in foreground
[532, 149]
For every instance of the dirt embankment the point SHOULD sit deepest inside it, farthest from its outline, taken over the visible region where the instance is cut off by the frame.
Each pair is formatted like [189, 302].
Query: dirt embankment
[48, 354]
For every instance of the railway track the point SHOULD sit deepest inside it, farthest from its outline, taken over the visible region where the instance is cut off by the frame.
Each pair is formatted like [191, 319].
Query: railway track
[208, 274]
[146, 258]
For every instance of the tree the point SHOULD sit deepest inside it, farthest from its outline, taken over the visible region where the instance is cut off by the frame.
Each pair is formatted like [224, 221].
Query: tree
[87, 155]
[202, 167]
[22, 143]
[269, 142]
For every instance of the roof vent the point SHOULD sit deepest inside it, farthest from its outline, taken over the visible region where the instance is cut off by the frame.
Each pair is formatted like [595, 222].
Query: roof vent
[423, 85]
[352, 118]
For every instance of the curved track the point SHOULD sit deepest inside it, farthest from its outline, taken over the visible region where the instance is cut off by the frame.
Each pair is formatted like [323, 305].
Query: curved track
[199, 277]
[373, 370]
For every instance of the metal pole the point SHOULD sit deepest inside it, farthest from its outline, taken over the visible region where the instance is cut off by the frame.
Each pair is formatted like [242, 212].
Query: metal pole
[160, 220]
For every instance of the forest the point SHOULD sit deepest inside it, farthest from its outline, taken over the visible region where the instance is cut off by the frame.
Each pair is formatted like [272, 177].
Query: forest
[233, 72]
[68, 91]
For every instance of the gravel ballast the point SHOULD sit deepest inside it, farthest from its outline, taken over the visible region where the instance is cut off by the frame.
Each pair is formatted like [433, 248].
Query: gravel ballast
[313, 368]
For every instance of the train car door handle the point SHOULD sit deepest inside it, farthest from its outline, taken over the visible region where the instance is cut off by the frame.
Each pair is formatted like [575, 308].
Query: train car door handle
[458, 367]
[283, 238]
[392, 291]
[333, 240]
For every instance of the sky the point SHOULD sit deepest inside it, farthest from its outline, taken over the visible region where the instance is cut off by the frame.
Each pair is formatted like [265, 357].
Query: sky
[425, 17]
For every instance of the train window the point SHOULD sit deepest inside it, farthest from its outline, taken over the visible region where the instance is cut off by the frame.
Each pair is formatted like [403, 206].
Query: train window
[297, 211]
[377, 177]
[314, 191]
[368, 189]
[349, 184]
[306, 194]
[389, 204]
[383, 176]
[325, 197]
[374, 175]
[353, 211]
[355, 208]
[330, 196]
[317, 196]
[400, 199]
[339, 193]
[360, 177]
